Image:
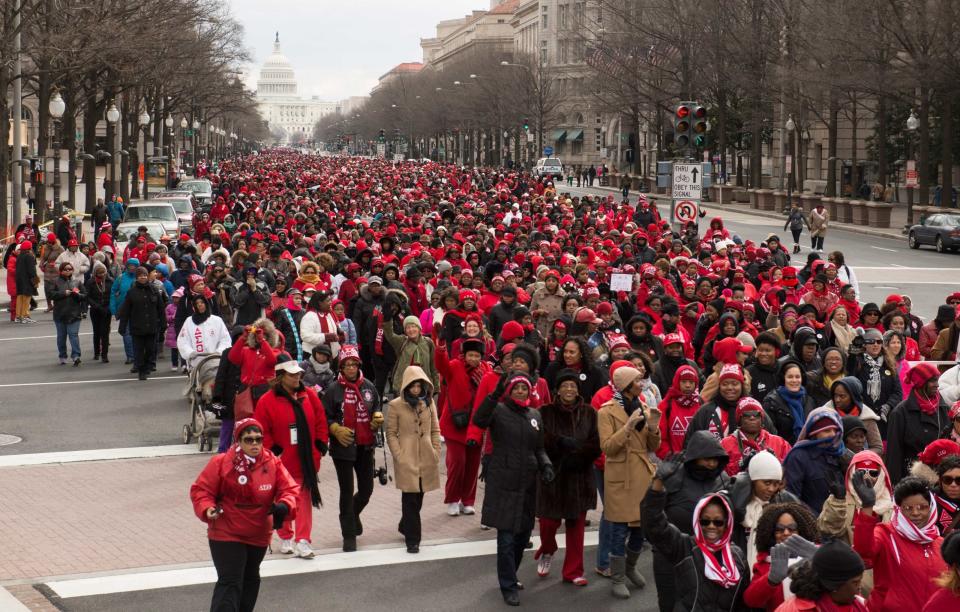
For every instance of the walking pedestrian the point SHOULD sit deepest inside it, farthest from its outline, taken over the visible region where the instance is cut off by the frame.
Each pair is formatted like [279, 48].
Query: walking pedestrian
[142, 316]
[68, 296]
[27, 281]
[242, 495]
[413, 435]
[99, 288]
[796, 221]
[817, 221]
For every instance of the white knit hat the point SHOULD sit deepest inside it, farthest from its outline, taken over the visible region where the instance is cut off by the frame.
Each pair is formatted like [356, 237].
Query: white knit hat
[765, 466]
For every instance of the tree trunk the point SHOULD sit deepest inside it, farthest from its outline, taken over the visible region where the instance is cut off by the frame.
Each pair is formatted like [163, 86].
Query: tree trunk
[855, 177]
[134, 150]
[90, 116]
[946, 178]
[834, 111]
[882, 139]
[924, 154]
[43, 135]
[5, 150]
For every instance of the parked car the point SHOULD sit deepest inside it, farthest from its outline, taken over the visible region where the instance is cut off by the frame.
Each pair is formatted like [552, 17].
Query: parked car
[128, 230]
[549, 167]
[160, 211]
[202, 190]
[183, 204]
[940, 230]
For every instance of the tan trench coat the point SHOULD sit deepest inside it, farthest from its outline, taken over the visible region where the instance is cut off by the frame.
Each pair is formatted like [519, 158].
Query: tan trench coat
[413, 435]
[629, 471]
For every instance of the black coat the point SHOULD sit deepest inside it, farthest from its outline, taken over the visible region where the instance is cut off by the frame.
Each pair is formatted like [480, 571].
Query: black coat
[687, 485]
[99, 300]
[740, 491]
[779, 412]
[693, 589]
[909, 431]
[891, 393]
[499, 315]
[509, 501]
[763, 380]
[67, 305]
[591, 379]
[574, 490]
[227, 383]
[142, 312]
[26, 273]
[333, 406]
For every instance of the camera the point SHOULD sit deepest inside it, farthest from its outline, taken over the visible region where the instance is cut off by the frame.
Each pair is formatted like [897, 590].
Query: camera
[382, 476]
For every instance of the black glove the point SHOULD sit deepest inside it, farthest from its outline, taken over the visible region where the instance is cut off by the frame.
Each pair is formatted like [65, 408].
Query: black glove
[856, 346]
[484, 464]
[838, 487]
[472, 443]
[668, 467]
[322, 447]
[276, 449]
[279, 512]
[868, 496]
[569, 444]
[547, 474]
[782, 296]
[501, 386]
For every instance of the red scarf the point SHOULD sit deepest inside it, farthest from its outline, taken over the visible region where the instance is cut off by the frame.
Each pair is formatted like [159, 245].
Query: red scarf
[378, 341]
[928, 405]
[725, 571]
[354, 406]
[476, 374]
[918, 535]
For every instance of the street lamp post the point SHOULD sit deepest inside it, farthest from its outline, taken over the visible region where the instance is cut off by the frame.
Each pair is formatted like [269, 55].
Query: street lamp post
[144, 120]
[113, 115]
[912, 124]
[56, 107]
[196, 127]
[790, 127]
[181, 154]
[168, 122]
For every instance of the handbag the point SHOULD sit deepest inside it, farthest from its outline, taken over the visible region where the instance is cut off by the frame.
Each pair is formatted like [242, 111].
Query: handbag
[461, 418]
[243, 404]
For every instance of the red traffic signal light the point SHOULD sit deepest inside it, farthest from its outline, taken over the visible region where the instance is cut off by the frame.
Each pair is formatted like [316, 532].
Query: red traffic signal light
[683, 111]
[700, 112]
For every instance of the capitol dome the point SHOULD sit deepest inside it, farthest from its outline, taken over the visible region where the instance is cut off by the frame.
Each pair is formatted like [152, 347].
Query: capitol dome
[276, 75]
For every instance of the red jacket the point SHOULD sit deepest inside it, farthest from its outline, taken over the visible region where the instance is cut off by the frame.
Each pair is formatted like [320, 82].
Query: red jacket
[761, 594]
[417, 295]
[458, 393]
[539, 396]
[244, 519]
[256, 365]
[928, 337]
[275, 413]
[898, 585]
[767, 441]
[943, 600]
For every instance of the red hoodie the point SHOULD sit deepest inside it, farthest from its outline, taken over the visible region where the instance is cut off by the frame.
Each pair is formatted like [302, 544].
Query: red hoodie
[676, 412]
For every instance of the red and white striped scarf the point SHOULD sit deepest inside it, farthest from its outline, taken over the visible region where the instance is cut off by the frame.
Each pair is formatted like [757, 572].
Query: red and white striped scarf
[723, 572]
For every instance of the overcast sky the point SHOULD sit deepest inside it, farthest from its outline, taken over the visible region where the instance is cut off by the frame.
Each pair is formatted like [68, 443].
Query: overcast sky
[339, 49]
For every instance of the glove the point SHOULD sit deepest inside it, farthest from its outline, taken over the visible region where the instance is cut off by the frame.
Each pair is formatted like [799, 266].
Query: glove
[501, 386]
[885, 411]
[800, 546]
[866, 493]
[547, 474]
[668, 467]
[779, 560]
[837, 486]
[321, 447]
[569, 443]
[331, 337]
[856, 346]
[472, 443]
[376, 420]
[276, 449]
[343, 435]
[484, 464]
[279, 512]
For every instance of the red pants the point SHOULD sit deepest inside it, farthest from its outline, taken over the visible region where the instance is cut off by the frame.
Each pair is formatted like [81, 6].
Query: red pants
[304, 520]
[573, 557]
[463, 465]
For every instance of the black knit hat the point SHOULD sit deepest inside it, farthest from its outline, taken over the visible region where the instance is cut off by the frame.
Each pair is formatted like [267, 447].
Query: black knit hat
[835, 563]
[472, 344]
[528, 354]
[567, 374]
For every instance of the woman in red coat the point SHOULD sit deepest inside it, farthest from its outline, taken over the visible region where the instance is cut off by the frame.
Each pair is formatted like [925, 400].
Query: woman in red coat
[905, 553]
[461, 377]
[242, 495]
[295, 429]
[255, 353]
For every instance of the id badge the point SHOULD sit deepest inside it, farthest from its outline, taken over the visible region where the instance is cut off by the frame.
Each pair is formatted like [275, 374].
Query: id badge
[293, 435]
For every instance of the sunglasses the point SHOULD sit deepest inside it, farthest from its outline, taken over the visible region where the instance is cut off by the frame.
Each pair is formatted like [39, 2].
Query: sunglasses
[950, 480]
[750, 414]
[252, 439]
[791, 527]
[871, 473]
[714, 522]
[869, 342]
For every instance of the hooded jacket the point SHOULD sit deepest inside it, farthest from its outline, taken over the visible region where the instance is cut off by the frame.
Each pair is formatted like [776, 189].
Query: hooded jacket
[866, 414]
[413, 435]
[836, 518]
[687, 485]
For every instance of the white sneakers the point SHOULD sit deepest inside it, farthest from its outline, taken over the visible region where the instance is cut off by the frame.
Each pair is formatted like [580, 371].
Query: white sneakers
[467, 510]
[286, 547]
[303, 550]
[453, 509]
[543, 565]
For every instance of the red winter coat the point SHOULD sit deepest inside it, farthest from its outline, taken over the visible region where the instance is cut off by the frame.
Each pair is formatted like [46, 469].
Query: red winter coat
[417, 294]
[275, 413]
[459, 393]
[761, 594]
[898, 585]
[244, 519]
[928, 337]
[256, 365]
[767, 441]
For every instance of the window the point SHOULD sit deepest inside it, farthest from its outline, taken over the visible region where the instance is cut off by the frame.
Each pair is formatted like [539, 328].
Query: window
[543, 24]
[564, 52]
[576, 147]
[579, 10]
[562, 13]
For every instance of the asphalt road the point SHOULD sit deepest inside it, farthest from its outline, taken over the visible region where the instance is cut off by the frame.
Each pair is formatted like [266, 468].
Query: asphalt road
[453, 584]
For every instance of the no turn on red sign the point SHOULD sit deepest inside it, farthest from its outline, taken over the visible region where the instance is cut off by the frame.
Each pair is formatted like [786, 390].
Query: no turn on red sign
[685, 211]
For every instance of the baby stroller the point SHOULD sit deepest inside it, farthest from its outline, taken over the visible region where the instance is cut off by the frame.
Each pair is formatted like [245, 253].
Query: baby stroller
[204, 422]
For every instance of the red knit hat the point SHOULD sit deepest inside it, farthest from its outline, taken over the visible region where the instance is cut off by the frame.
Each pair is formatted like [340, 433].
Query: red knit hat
[511, 330]
[937, 450]
[616, 365]
[748, 404]
[731, 371]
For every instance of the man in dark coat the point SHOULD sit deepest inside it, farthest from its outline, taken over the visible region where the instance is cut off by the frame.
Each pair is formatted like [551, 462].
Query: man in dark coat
[142, 316]
[503, 310]
[27, 280]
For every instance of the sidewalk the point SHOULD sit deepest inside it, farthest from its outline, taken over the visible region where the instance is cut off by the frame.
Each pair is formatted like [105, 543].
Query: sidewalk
[107, 516]
[898, 215]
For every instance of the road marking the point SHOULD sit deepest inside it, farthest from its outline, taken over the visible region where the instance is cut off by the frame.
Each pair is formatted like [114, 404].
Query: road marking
[9, 603]
[41, 337]
[898, 266]
[867, 282]
[883, 249]
[86, 382]
[165, 579]
[98, 454]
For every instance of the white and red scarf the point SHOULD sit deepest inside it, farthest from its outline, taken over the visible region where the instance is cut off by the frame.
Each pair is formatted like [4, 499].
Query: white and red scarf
[919, 535]
[724, 572]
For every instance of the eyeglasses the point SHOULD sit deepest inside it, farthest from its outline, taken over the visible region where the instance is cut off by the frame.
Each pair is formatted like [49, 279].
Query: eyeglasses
[917, 508]
[750, 414]
[791, 527]
[252, 439]
[715, 522]
[871, 473]
[950, 480]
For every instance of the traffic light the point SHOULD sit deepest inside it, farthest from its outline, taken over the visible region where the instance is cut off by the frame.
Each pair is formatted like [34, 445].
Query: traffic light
[526, 125]
[699, 125]
[681, 124]
[383, 135]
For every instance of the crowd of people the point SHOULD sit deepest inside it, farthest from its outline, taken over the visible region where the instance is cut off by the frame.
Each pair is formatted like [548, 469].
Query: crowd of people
[777, 441]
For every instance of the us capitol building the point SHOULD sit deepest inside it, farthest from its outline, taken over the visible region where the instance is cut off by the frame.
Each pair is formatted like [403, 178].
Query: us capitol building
[279, 104]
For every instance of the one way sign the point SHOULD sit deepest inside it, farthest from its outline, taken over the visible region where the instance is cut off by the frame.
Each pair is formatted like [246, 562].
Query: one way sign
[687, 182]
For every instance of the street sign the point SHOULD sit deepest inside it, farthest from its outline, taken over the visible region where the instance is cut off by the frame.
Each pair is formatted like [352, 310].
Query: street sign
[788, 162]
[381, 149]
[687, 182]
[685, 211]
[548, 151]
[604, 152]
[912, 175]
[529, 137]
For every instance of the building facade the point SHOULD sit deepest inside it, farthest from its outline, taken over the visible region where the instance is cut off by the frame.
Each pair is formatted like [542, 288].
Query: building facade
[290, 117]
